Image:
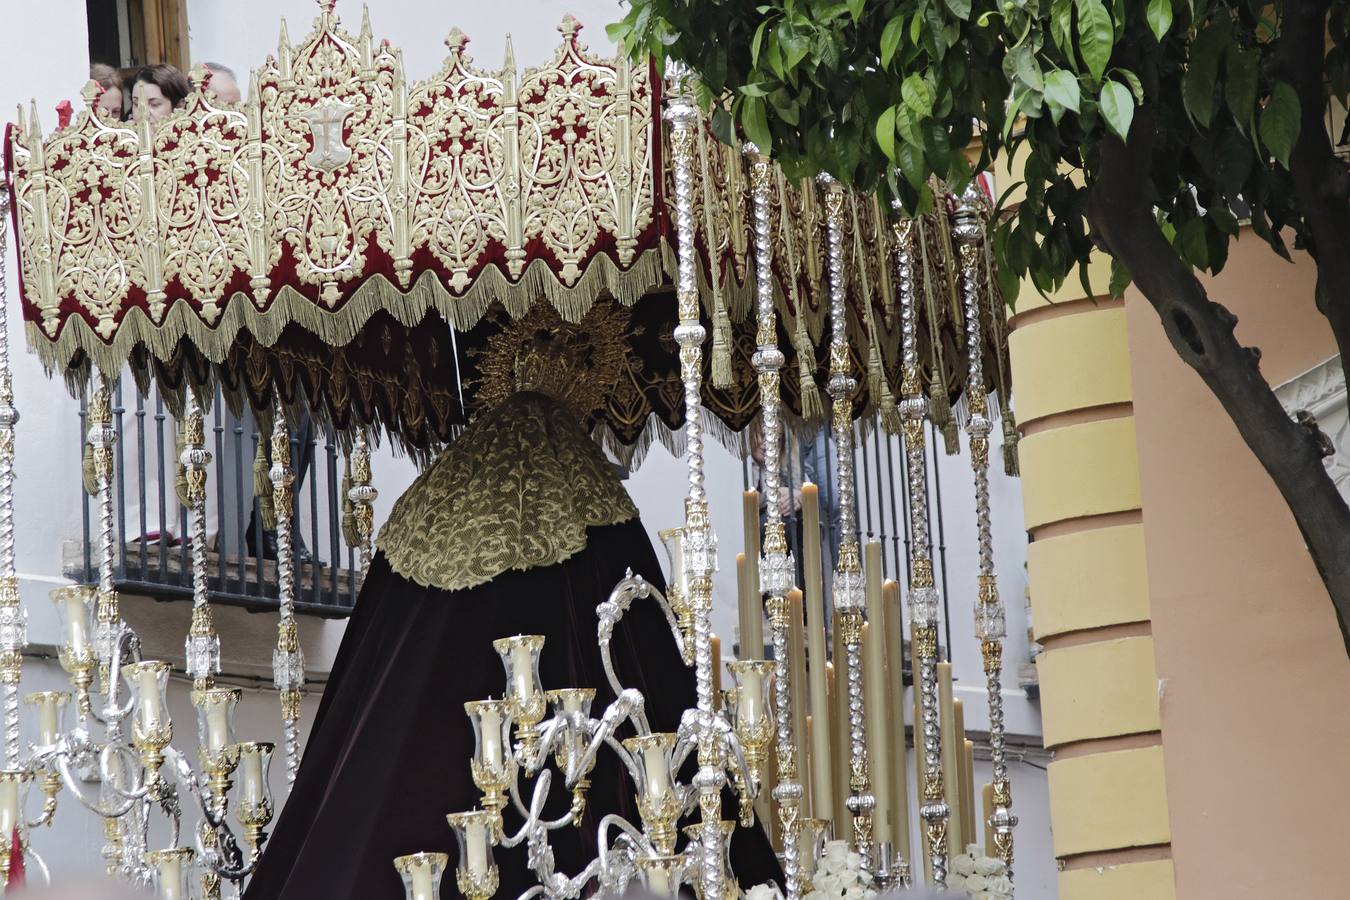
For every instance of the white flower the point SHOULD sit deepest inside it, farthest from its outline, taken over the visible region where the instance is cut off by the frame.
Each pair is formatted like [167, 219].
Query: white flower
[988, 866]
[814, 895]
[1001, 886]
[854, 862]
[976, 883]
[827, 883]
[836, 853]
[762, 892]
[956, 882]
[963, 865]
[974, 851]
[984, 895]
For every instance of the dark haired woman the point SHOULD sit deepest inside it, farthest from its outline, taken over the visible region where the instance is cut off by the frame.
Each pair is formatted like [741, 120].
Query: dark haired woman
[159, 88]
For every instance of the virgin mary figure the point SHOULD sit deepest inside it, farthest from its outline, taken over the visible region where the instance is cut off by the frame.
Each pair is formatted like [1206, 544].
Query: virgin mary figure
[520, 526]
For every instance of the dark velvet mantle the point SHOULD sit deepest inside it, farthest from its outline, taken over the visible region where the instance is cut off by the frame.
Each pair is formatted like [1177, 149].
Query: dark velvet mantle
[388, 755]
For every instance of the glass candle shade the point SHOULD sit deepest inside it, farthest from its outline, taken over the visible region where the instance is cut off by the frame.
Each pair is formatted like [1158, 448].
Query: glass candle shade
[673, 539]
[254, 809]
[661, 875]
[811, 839]
[173, 873]
[215, 717]
[77, 609]
[149, 683]
[571, 701]
[652, 755]
[421, 874]
[476, 871]
[490, 738]
[50, 707]
[14, 785]
[754, 685]
[520, 657]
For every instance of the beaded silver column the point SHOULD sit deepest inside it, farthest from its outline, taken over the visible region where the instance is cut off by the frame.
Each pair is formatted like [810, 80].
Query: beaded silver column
[777, 566]
[288, 660]
[202, 647]
[923, 599]
[13, 618]
[362, 496]
[698, 541]
[990, 626]
[102, 438]
[849, 589]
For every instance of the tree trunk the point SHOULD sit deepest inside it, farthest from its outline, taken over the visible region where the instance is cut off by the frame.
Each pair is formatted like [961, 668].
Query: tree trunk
[1201, 331]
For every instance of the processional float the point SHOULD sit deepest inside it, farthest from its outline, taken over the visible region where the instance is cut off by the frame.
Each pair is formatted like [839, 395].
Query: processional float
[308, 248]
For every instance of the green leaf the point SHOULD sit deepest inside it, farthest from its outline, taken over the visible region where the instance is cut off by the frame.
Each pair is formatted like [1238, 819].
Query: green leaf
[907, 123]
[754, 90]
[1117, 108]
[1061, 88]
[1026, 68]
[755, 122]
[1191, 244]
[910, 160]
[1240, 85]
[918, 96]
[959, 8]
[855, 8]
[1159, 18]
[1132, 81]
[1202, 72]
[1061, 25]
[795, 47]
[1120, 279]
[618, 31]
[758, 42]
[722, 126]
[1280, 122]
[1096, 35]
[886, 132]
[890, 39]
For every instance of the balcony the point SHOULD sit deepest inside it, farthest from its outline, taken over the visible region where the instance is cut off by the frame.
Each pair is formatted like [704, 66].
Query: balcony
[152, 558]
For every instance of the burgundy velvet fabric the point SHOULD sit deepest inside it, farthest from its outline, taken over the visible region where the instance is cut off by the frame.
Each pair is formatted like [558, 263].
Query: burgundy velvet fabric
[388, 756]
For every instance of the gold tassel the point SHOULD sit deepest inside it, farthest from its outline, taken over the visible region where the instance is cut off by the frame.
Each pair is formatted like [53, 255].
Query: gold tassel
[262, 488]
[812, 408]
[349, 532]
[939, 404]
[1011, 468]
[951, 437]
[722, 376]
[180, 482]
[90, 477]
[880, 390]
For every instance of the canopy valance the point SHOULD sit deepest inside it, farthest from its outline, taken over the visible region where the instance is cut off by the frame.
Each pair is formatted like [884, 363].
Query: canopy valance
[318, 238]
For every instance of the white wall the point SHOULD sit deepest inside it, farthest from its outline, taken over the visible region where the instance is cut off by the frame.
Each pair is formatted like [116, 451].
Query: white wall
[43, 55]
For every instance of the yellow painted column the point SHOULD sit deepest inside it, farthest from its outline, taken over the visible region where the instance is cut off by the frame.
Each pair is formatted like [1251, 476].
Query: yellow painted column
[1089, 594]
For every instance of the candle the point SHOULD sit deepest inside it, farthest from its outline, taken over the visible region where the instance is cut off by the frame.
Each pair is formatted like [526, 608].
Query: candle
[522, 670]
[749, 706]
[822, 786]
[657, 768]
[951, 767]
[797, 693]
[10, 796]
[421, 883]
[250, 765]
[490, 724]
[987, 795]
[77, 628]
[840, 740]
[170, 877]
[716, 671]
[959, 742]
[895, 700]
[475, 845]
[752, 613]
[217, 726]
[657, 880]
[48, 704]
[874, 693]
[968, 790]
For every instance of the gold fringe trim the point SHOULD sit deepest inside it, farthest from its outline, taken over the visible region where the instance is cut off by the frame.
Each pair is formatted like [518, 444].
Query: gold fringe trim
[337, 327]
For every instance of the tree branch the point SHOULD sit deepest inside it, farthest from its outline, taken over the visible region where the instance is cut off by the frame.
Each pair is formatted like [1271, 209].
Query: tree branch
[1120, 211]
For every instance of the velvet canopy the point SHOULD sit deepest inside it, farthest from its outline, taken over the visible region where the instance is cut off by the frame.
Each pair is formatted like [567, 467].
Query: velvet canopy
[360, 244]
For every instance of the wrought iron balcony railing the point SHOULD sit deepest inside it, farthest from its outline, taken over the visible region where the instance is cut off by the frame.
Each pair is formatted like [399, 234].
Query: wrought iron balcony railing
[153, 553]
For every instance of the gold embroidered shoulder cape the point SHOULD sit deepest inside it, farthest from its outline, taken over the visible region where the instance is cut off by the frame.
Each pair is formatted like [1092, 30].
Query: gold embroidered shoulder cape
[517, 490]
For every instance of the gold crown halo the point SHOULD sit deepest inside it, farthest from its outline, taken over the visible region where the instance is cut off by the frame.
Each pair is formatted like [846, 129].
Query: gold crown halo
[577, 364]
